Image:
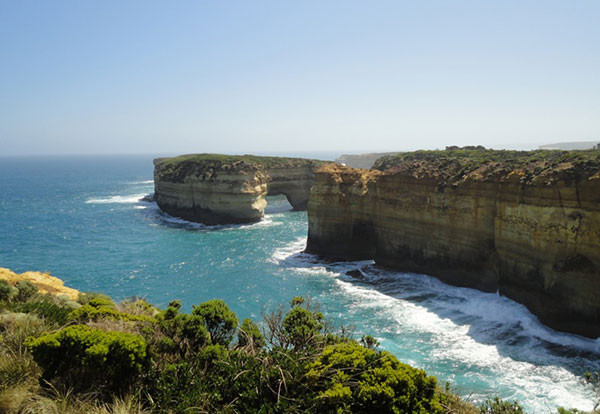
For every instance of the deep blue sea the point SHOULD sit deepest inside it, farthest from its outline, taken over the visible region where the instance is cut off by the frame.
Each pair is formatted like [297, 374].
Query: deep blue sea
[81, 219]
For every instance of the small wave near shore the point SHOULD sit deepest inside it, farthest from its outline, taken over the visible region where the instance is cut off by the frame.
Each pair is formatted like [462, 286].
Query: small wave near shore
[143, 201]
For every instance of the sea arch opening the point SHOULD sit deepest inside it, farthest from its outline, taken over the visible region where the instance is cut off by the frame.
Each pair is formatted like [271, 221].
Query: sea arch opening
[277, 203]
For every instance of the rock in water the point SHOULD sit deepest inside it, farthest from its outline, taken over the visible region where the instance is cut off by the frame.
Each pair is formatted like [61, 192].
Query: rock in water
[357, 274]
[226, 189]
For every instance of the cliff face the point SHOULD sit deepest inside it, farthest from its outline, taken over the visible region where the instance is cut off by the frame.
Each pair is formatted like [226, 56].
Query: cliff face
[221, 189]
[526, 224]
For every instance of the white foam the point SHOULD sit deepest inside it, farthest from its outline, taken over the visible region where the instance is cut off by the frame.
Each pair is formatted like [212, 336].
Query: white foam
[463, 327]
[277, 209]
[267, 221]
[118, 199]
[535, 385]
[143, 182]
[142, 204]
[288, 253]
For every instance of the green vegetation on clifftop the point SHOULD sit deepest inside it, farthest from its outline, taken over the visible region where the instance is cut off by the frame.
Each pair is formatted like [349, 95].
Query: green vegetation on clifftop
[458, 163]
[176, 168]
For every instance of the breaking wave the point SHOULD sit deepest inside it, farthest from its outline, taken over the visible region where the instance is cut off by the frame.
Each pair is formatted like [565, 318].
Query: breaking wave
[485, 343]
[162, 218]
[118, 199]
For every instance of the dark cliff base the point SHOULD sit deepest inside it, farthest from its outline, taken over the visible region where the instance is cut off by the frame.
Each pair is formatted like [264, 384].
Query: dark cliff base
[205, 216]
[480, 273]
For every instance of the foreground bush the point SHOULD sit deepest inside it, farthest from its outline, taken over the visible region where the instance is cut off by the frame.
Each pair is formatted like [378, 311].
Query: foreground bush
[90, 359]
[97, 356]
[351, 378]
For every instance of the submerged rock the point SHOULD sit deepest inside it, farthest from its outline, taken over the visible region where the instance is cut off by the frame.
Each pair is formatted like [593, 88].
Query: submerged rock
[357, 274]
[150, 198]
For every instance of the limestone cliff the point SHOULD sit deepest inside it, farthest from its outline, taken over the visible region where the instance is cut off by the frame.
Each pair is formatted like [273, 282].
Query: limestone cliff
[526, 224]
[221, 189]
[44, 282]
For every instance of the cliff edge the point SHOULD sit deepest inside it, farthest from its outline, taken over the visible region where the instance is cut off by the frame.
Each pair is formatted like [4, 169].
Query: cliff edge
[523, 223]
[223, 189]
[45, 282]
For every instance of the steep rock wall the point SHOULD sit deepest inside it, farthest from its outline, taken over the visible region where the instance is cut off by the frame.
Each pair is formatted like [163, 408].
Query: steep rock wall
[219, 189]
[528, 228]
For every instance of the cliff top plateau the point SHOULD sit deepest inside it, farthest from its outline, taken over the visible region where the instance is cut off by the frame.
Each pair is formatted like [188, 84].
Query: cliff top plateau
[177, 168]
[455, 165]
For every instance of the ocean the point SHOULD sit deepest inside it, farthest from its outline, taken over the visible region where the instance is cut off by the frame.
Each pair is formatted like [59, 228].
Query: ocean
[82, 219]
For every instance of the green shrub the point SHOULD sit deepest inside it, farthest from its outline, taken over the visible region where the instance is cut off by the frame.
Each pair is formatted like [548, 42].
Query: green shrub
[136, 306]
[100, 307]
[90, 359]
[221, 321]
[15, 328]
[175, 388]
[87, 313]
[101, 301]
[182, 334]
[302, 326]
[16, 370]
[16, 364]
[25, 290]
[498, 406]
[5, 290]
[50, 311]
[349, 377]
[249, 335]
[85, 298]
[369, 342]
[215, 380]
[194, 331]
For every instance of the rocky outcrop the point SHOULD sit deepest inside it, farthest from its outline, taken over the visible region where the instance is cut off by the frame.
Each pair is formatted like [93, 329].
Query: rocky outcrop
[43, 281]
[525, 224]
[223, 189]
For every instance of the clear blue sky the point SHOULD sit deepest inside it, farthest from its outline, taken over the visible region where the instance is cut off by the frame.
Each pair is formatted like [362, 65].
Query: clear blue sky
[252, 76]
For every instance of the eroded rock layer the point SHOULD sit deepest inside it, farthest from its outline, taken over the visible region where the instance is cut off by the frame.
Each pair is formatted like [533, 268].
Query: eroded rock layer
[526, 224]
[223, 189]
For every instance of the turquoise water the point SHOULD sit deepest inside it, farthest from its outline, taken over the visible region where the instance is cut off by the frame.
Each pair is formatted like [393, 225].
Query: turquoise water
[81, 220]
